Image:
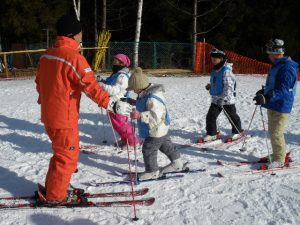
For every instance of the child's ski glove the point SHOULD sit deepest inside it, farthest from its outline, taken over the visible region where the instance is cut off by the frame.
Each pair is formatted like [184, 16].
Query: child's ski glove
[135, 115]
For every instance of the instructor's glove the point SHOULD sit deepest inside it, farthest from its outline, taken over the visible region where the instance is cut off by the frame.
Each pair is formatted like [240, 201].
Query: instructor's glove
[119, 107]
[100, 80]
[207, 87]
[259, 99]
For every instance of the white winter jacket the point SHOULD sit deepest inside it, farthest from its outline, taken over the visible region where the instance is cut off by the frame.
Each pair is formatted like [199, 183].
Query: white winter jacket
[156, 111]
[118, 90]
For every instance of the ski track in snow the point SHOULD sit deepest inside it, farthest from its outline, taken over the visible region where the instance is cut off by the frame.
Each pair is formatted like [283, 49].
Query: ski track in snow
[201, 198]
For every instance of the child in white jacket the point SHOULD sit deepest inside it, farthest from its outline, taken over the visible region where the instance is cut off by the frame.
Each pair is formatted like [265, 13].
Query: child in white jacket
[153, 124]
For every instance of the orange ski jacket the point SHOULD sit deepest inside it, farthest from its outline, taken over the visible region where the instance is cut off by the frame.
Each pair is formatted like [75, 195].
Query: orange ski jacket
[62, 75]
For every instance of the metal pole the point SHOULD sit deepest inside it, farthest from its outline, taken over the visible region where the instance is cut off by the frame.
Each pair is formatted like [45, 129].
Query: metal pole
[243, 149]
[114, 133]
[228, 117]
[5, 64]
[47, 33]
[130, 176]
[133, 123]
[204, 55]
[154, 56]
[266, 135]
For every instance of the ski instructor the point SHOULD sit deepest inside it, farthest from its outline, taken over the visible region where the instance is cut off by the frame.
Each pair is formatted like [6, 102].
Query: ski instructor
[278, 97]
[62, 76]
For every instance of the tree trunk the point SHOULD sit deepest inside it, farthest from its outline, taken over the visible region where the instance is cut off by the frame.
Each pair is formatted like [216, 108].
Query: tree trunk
[137, 34]
[95, 22]
[77, 9]
[195, 29]
[104, 15]
[104, 8]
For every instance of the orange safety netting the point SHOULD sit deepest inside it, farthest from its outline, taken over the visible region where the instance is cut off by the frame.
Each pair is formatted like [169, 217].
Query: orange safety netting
[241, 64]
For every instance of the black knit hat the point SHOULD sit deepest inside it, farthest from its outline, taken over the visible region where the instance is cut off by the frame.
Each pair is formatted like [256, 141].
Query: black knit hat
[68, 26]
[217, 53]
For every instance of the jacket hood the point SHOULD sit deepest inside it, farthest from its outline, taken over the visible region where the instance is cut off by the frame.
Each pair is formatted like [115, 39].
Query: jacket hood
[229, 66]
[225, 64]
[152, 89]
[62, 41]
[288, 62]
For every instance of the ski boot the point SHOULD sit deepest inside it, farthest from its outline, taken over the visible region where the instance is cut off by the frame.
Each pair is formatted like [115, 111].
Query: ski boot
[175, 166]
[149, 175]
[209, 138]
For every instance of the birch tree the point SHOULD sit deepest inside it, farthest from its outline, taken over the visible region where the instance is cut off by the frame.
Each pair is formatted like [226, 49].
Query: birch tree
[77, 8]
[137, 33]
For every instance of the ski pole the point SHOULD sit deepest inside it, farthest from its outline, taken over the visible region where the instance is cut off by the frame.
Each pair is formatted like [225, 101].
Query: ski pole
[243, 149]
[113, 130]
[228, 117]
[133, 123]
[103, 130]
[130, 174]
[266, 138]
[218, 127]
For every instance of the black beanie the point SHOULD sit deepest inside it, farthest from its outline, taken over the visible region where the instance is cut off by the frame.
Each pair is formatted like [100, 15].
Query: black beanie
[68, 26]
[218, 53]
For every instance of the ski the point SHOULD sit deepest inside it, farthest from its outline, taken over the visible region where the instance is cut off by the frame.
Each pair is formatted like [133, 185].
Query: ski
[259, 161]
[111, 183]
[237, 164]
[230, 140]
[186, 170]
[199, 146]
[140, 192]
[210, 146]
[88, 204]
[256, 171]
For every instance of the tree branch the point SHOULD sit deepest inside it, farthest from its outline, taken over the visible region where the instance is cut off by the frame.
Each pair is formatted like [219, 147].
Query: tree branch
[215, 26]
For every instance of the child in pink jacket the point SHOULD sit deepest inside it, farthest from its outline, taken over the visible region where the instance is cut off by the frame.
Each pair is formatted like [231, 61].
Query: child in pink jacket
[116, 85]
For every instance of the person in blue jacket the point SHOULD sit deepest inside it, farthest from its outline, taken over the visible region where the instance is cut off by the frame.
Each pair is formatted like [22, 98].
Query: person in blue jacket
[222, 88]
[277, 96]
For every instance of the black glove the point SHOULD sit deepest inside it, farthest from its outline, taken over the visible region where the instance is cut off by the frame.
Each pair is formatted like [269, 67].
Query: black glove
[207, 87]
[129, 101]
[100, 80]
[261, 91]
[120, 107]
[260, 99]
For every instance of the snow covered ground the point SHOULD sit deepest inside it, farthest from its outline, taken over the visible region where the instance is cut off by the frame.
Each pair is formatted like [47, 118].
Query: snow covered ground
[202, 198]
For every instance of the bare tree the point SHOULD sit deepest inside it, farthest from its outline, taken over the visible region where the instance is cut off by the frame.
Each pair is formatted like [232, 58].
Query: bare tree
[195, 16]
[195, 28]
[137, 33]
[77, 8]
[95, 22]
[104, 8]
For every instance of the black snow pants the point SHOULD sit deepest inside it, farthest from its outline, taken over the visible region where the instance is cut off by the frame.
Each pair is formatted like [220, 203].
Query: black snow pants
[213, 113]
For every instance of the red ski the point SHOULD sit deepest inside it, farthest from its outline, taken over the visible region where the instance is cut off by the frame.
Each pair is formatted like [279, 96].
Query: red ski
[140, 192]
[259, 161]
[89, 204]
[230, 140]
